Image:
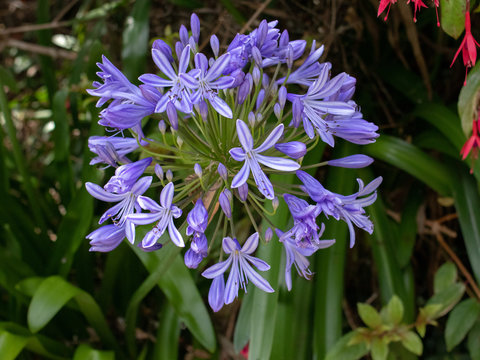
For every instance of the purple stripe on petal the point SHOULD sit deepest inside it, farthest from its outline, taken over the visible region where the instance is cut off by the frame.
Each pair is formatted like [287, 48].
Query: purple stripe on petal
[184, 59]
[166, 196]
[244, 135]
[233, 282]
[229, 245]
[255, 278]
[251, 244]
[150, 238]
[217, 269]
[242, 176]
[175, 235]
[238, 154]
[221, 106]
[217, 68]
[271, 140]
[99, 193]
[142, 185]
[148, 204]
[258, 263]
[144, 218]
[278, 163]
[216, 293]
[163, 64]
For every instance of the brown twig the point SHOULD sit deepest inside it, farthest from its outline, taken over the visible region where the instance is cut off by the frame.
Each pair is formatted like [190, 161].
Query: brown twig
[39, 49]
[456, 260]
[62, 12]
[35, 27]
[254, 16]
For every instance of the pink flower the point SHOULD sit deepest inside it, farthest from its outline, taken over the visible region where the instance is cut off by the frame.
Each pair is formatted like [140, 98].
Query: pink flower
[383, 5]
[472, 144]
[468, 47]
[418, 4]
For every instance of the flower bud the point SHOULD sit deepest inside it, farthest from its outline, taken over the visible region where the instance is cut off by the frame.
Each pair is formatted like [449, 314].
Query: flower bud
[198, 170]
[256, 75]
[183, 34]
[352, 162]
[277, 110]
[262, 32]
[169, 175]
[289, 56]
[159, 171]
[178, 49]
[268, 234]
[282, 96]
[179, 141]
[214, 44]
[259, 117]
[257, 56]
[260, 98]
[294, 149]
[172, 115]
[251, 119]
[195, 26]
[203, 110]
[225, 204]
[162, 126]
[222, 171]
[275, 203]
[164, 48]
[265, 81]
[243, 191]
[284, 39]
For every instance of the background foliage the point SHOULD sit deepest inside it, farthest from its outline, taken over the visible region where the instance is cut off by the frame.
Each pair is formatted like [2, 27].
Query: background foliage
[409, 290]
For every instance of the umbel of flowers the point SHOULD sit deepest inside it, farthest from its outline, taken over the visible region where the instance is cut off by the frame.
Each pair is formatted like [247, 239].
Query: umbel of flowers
[210, 130]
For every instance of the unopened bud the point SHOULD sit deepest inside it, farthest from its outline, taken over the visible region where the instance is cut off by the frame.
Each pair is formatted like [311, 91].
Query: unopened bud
[225, 203]
[294, 149]
[352, 162]
[277, 110]
[214, 44]
[275, 203]
[162, 126]
[179, 141]
[159, 171]
[183, 34]
[222, 171]
[172, 115]
[243, 191]
[257, 56]
[195, 26]
[256, 75]
[260, 97]
[251, 119]
[198, 170]
[268, 234]
[169, 175]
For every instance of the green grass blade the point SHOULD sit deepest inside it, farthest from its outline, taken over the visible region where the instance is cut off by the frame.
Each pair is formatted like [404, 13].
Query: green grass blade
[409, 158]
[467, 204]
[330, 265]
[11, 345]
[135, 40]
[85, 352]
[168, 334]
[264, 308]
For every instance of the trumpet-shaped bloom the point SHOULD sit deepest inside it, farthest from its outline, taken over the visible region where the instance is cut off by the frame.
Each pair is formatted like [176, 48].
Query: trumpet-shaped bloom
[347, 208]
[163, 213]
[241, 271]
[252, 158]
[297, 255]
[127, 201]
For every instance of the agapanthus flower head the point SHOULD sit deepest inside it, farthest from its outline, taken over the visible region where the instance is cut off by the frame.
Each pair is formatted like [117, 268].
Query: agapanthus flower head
[250, 110]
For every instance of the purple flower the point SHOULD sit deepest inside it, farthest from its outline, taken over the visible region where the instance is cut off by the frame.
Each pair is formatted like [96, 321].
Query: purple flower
[106, 238]
[252, 158]
[111, 150]
[126, 175]
[294, 149]
[312, 107]
[305, 228]
[216, 294]
[178, 82]
[347, 208]
[164, 213]
[352, 128]
[241, 270]
[224, 200]
[352, 162]
[198, 250]
[297, 255]
[197, 218]
[209, 81]
[127, 201]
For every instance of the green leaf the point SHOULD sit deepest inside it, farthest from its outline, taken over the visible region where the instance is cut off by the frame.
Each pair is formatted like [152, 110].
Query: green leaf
[8, 79]
[264, 309]
[241, 336]
[369, 315]
[460, 321]
[395, 310]
[168, 334]
[412, 343]
[445, 276]
[452, 17]
[447, 298]
[468, 98]
[181, 291]
[379, 349]
[135, 40]
[11, 345]
[473, 342]
[341, 349]
[330, 265]
[467, 203]
[53, 294]
[85, 352]
[409, 158]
